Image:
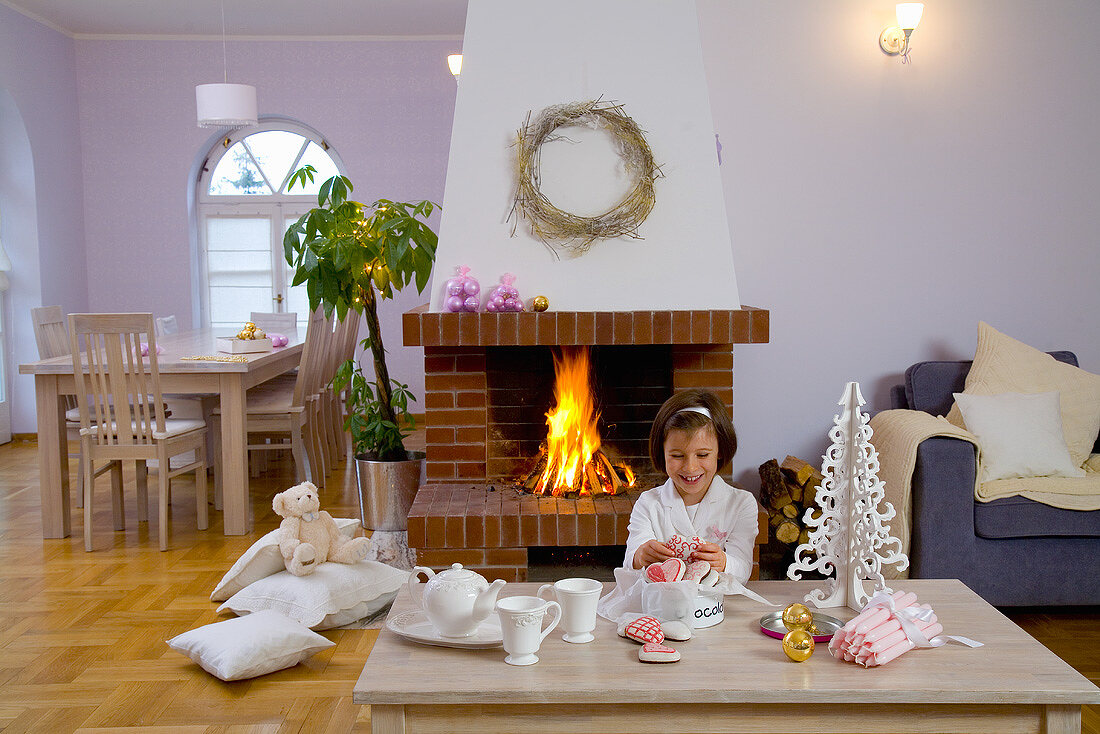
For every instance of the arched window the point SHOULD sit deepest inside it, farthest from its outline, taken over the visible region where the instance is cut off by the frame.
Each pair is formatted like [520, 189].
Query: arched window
[243, 210]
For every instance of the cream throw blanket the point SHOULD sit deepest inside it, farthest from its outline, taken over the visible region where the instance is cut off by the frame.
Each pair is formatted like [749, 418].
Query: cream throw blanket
[896, 434]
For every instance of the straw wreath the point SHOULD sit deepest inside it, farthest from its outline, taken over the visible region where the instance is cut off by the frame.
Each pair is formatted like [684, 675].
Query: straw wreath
[572, 232]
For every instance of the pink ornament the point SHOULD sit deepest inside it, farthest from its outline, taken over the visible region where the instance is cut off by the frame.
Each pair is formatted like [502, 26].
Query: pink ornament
[505, 296]
[462, 292]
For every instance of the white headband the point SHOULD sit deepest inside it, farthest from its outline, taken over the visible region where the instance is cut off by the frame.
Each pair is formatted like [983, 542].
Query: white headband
[696, 409]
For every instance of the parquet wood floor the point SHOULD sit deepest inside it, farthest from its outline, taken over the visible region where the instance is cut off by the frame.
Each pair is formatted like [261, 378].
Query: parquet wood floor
[82, 634]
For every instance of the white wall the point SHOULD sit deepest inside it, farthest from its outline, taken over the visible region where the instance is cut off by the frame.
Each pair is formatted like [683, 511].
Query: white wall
[880, 211]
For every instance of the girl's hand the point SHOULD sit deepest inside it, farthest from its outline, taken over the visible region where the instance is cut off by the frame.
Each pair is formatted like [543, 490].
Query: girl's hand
[712, 554]
[652, 551]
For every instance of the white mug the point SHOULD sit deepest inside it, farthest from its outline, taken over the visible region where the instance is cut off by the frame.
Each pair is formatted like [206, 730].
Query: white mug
[521, 624]
[578, 598]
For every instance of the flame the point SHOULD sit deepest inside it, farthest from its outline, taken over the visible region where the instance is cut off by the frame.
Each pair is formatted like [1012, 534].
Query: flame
[573, 437]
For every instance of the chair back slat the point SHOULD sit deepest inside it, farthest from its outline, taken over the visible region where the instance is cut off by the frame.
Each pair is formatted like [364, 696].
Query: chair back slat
[51, 335]
[311, 354]
[118, 395]
[276, 322]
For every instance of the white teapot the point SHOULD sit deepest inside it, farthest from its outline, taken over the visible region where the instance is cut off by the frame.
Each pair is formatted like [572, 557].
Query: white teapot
[457, 600]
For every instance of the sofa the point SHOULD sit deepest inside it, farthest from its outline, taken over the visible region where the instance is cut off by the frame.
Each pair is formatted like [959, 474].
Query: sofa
[1011, 551]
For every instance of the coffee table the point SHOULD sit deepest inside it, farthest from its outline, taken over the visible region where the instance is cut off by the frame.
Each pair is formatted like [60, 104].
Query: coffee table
[732, 678]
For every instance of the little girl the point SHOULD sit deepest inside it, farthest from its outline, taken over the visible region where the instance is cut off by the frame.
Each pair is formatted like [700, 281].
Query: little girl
[691, 440]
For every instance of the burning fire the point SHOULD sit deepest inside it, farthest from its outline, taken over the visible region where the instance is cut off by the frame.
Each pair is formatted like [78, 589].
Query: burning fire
[573, 460]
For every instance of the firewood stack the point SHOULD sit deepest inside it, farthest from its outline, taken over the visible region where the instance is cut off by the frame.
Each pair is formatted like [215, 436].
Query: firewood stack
[786, 490]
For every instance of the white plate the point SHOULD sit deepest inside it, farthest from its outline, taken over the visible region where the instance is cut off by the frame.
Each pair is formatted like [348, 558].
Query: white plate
[416, 627]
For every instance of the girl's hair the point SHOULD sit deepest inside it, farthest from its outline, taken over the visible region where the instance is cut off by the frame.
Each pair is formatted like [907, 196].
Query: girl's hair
[681, 413]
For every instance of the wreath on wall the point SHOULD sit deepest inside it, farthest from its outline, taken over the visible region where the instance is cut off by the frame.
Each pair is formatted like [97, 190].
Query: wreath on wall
[572, 232]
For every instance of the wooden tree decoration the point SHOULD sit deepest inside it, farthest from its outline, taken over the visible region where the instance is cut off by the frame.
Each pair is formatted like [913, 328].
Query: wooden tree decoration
[849, 537]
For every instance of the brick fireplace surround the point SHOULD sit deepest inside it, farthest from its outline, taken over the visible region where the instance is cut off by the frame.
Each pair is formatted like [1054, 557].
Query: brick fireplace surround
[488, 384]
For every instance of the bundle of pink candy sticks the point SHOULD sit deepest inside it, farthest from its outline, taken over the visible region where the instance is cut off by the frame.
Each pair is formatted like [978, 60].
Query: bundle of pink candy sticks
[875, 636]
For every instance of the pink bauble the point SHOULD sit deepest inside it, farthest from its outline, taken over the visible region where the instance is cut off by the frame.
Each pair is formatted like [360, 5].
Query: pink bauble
[496, 300]
[471, 287]
[490, 306]
[511, 304]
[454, 304]
[472, 303]
[454, 286]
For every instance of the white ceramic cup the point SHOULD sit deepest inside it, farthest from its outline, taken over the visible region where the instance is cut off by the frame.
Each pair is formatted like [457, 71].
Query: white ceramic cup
[578, 598]
[521, 624]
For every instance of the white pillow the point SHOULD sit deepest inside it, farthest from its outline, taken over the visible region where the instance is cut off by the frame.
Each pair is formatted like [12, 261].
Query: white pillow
[333, 595]
[246, 647]
[1020, 434]
[264, 559]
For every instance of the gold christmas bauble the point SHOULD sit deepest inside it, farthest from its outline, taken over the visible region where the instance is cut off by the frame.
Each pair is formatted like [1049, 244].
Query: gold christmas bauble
[259, 334]
[797, 617]
[798, 645]
[541, 303]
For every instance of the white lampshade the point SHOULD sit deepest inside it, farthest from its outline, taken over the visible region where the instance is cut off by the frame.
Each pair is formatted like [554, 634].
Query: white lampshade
[909, 15]
[226, 105]
[454, 61]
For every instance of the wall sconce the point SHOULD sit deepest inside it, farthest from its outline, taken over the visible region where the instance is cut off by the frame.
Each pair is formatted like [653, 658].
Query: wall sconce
[894, 40]
[454, 62]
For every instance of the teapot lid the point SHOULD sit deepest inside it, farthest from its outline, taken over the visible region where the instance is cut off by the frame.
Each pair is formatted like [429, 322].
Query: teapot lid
[456, 571]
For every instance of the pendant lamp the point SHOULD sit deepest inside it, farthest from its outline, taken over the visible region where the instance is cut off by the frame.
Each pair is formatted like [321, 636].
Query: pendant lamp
[225, 105]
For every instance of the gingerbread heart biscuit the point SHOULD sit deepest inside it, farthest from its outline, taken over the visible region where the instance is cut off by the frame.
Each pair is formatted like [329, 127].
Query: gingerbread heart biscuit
[657, 653]
[671, 570]
[696, 571]
[644, 629]
[684, 547]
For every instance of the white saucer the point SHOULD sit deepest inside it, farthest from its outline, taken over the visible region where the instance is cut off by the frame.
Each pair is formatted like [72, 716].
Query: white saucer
[416, 627]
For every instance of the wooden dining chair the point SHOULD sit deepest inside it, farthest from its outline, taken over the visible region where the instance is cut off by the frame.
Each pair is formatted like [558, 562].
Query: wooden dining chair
[282, 407]
[276, 322]
[122, 415]
[51, 334]
[341, 349]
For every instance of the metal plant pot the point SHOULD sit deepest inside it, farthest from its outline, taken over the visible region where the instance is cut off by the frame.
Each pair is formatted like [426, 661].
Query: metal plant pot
[387, 490]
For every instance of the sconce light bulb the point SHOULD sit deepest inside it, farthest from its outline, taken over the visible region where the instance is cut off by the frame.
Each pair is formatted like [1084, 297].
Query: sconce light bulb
[454, 62]
[909, 15]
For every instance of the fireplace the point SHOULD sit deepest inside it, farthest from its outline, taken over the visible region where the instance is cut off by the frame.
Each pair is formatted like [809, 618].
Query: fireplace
[488, 384]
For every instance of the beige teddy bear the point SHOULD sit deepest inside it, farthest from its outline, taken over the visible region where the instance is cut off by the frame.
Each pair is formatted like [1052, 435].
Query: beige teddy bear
[308, 535]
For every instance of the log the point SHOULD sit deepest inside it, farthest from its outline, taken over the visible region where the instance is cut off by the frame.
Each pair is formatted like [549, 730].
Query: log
[772, 489]
[613, 475]
[790, 511]
[795, 490]
[797, 470]
[787, 532]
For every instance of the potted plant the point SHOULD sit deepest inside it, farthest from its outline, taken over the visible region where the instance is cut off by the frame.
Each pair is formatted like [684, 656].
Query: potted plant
[350, 255]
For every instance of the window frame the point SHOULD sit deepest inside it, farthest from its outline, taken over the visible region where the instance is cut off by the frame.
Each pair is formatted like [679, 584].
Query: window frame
[276, 207]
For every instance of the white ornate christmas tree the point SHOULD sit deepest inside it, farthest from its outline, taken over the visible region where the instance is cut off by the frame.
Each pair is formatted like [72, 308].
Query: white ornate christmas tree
[849, 536]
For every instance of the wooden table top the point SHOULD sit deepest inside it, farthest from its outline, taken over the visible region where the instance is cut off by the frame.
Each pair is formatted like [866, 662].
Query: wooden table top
[733, 662]
[197, 342]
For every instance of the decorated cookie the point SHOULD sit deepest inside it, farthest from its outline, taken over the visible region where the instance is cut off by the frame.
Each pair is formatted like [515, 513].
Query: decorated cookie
[710, 579]
[653, 652]
[644, 629]
[684, 547]
[696, 571]
[676, 630]
[671, 570]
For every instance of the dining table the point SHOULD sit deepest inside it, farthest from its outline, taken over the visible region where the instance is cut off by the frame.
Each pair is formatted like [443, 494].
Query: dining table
[189, 363]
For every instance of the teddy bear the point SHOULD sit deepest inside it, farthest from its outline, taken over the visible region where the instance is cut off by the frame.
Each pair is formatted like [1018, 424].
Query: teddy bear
[308, 535]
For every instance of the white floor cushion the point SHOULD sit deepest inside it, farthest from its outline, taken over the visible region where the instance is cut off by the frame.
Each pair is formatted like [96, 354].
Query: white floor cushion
[334, 595]
[263, 559]
[246, 647]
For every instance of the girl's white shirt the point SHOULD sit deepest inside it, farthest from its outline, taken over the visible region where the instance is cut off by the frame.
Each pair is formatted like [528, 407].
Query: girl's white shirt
[726, 516]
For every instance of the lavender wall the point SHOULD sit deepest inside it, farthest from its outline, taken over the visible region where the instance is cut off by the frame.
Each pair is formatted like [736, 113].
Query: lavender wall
[40, 194]
[385, 106]
[880, 211]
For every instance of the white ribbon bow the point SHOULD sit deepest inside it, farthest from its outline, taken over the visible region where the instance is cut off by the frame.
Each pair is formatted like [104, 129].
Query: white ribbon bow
[908, 617]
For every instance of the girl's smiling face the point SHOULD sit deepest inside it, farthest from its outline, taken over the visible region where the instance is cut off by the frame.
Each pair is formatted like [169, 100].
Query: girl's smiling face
[691, 461]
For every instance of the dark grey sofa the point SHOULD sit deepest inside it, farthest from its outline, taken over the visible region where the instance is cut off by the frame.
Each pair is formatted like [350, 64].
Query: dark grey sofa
[1012, 551]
